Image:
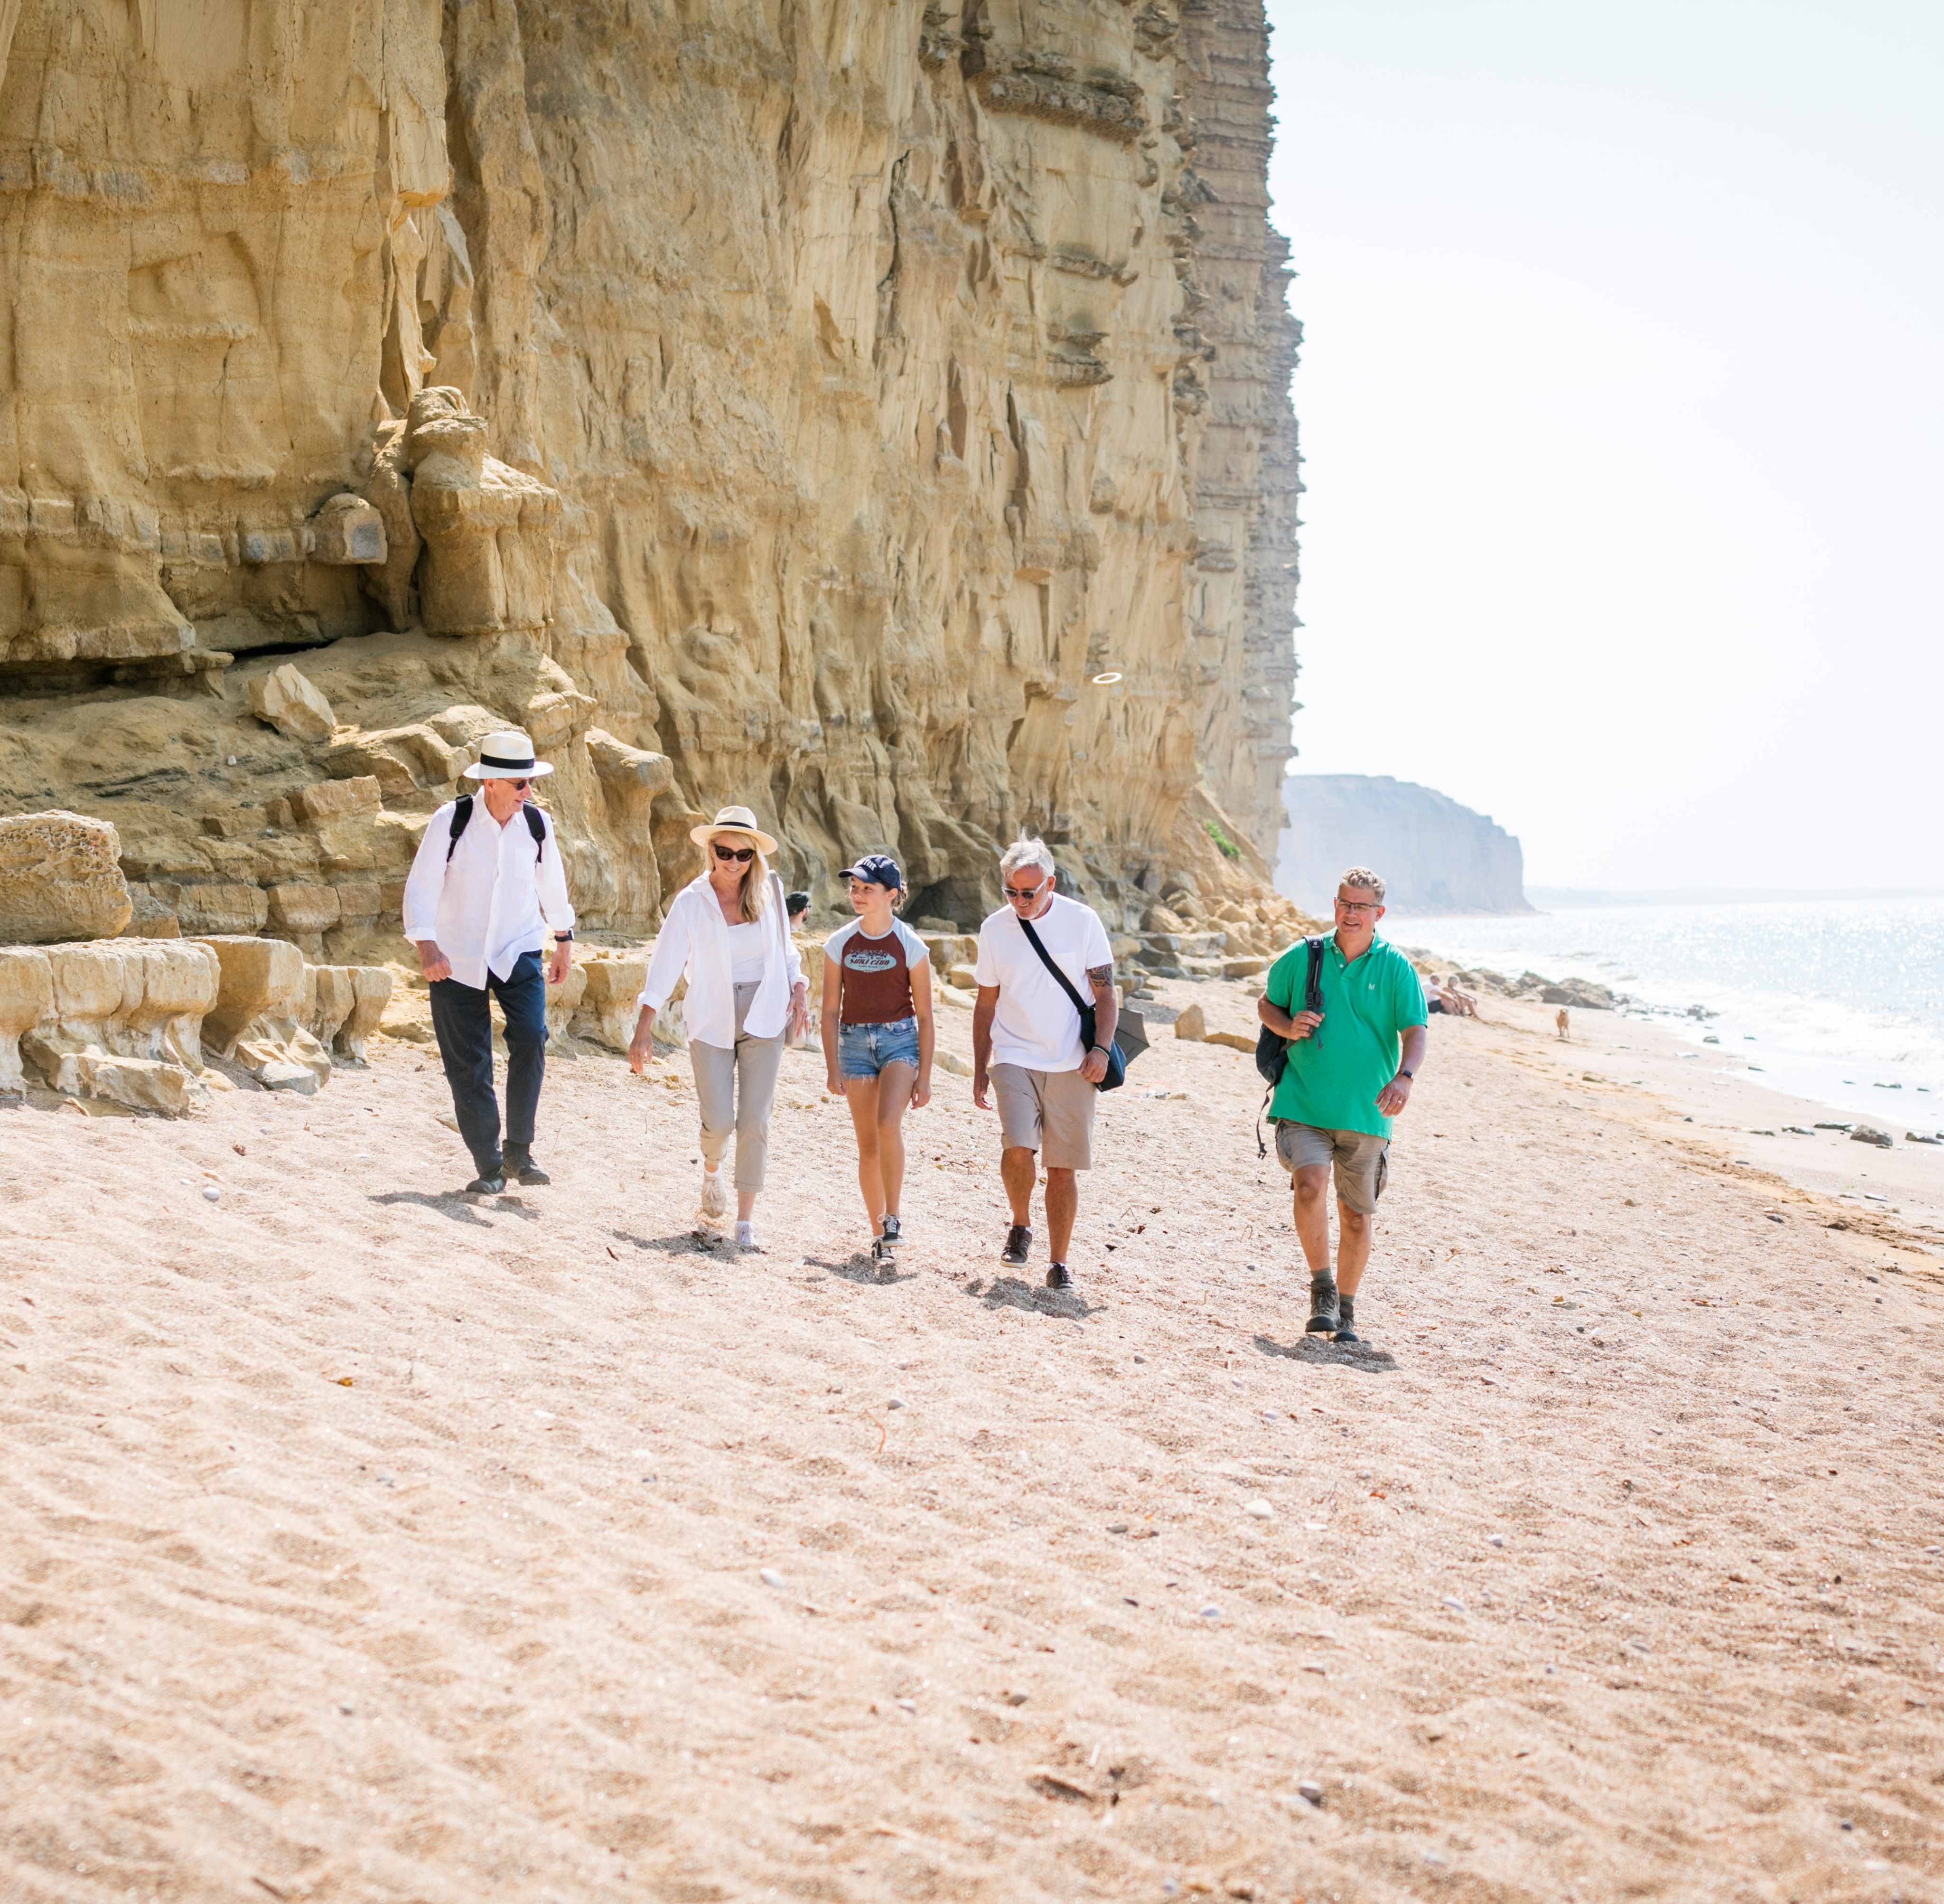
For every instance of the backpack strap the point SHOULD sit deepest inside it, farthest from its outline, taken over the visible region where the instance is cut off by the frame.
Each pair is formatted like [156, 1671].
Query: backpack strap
[537, 827]
[1312, 987]
[461, 818]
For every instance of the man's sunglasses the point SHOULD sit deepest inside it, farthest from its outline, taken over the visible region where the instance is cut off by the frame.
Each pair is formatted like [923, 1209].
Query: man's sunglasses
[742, 855]
[519, 786]
[1028, 892]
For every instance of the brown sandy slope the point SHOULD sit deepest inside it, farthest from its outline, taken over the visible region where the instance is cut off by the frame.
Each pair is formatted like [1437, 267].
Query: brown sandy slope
[1611, 1568]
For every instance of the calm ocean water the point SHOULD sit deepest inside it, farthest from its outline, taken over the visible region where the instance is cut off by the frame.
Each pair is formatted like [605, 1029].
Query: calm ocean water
[1833, 1000]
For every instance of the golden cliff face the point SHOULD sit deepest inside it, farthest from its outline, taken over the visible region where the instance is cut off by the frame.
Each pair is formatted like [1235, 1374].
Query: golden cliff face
[798, 404]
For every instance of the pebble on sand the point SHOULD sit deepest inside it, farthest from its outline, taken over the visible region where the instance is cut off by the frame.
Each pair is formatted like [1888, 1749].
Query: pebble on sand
[1453, 1606]
[211, 1194]
[1259, 1511]
[770, 1577]
[1311, 1790]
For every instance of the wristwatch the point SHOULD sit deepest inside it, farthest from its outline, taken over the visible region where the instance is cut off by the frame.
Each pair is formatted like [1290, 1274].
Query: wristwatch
[1403, 1073]
[561, 938]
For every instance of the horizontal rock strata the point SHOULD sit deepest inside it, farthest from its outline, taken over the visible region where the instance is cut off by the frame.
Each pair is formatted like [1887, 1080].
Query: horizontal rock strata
[878, 415]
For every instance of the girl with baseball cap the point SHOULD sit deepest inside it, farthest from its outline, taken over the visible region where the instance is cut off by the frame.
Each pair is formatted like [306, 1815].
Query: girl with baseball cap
[878, 1037]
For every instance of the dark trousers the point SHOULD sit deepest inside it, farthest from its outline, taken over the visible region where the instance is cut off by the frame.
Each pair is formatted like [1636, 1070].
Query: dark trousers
[464, 1026]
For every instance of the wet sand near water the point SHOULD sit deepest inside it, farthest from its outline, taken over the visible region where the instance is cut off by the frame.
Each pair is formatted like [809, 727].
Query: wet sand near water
[361, 1542]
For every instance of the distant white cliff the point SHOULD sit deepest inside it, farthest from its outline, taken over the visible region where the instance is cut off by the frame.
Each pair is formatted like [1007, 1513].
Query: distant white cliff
[1435, 855]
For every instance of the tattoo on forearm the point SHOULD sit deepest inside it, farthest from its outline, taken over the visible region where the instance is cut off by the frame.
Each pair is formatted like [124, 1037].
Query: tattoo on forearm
[1100, 977]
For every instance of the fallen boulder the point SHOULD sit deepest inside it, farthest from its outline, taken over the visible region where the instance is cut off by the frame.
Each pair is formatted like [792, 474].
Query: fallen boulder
[607, 1012]
[343, 1006]
[257, 1020]
[1872, 1133]
[60, 880]
[1192, 1025]
[287, 699]
[117, 1018]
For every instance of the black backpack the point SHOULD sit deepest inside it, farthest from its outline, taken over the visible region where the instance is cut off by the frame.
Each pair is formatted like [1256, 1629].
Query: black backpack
[1272, 1048]
[461, 818]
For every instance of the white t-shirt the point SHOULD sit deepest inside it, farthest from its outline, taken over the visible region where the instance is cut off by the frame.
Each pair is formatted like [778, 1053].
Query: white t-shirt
[1036, 1024]
[749, 950]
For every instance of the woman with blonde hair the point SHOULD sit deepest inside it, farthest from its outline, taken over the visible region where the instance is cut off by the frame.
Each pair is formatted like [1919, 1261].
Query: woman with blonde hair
[726, 933]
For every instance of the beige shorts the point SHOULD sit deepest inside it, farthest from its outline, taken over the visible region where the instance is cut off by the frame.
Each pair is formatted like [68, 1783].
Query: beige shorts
[1051, 1112]
[1362, 1161]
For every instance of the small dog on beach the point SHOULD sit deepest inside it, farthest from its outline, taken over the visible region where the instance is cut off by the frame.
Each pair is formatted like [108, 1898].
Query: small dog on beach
[1565, 1024]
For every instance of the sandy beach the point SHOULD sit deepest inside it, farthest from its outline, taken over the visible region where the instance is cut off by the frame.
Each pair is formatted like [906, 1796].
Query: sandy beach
[359, 1541]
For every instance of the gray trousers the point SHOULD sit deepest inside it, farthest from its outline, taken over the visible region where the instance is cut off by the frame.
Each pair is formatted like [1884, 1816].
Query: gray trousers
[736, 1090]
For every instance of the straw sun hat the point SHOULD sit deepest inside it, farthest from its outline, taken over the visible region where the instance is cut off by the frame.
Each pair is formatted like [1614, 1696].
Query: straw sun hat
[733, 820]
[508, 756]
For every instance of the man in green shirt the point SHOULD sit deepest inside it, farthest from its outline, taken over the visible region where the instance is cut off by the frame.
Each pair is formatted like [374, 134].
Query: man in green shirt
[1345, 1079]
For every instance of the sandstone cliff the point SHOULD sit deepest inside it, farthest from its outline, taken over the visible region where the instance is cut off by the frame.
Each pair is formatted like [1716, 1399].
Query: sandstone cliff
[1435, 856]
[798, 403]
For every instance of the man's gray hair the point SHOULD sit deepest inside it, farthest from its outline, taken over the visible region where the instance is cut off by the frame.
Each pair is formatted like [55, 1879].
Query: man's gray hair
[1026, 853]
[1371, 882]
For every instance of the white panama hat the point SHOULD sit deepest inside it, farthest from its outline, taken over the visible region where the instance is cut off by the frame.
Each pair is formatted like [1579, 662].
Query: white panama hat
[507, 756]
[733, 820]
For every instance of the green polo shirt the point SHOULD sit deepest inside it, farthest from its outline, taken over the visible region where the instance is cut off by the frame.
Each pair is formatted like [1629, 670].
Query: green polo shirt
[1333, 1076]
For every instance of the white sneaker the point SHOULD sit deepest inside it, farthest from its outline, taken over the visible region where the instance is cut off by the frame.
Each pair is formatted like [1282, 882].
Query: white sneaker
[746, 1235]
[714, 1199]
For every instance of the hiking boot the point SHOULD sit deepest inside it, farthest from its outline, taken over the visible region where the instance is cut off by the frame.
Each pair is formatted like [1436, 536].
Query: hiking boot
[1326, 1313]
[715, 1199]
[488, 1183]
[1018, 1240]
[1346, 1320]
[1058, 1276]
[520, 1164]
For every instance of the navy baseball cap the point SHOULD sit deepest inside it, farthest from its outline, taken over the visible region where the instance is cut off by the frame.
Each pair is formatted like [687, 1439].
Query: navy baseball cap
[876, 869]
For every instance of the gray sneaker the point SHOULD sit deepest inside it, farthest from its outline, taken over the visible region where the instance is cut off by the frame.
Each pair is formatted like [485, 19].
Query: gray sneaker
[1325, 1307]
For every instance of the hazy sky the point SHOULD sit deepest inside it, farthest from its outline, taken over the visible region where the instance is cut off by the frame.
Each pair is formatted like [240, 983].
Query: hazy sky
[1622, 402]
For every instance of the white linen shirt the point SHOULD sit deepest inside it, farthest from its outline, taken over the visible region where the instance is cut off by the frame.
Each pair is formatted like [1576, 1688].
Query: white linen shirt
[694, 939]
[491, 904]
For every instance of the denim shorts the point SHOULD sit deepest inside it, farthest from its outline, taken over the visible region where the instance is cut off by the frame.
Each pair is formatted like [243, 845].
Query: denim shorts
[863, 1050]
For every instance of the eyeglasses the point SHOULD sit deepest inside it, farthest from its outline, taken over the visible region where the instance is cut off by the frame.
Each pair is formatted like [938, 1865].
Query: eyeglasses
[1360, 905]
[743, 854]
[1028, 892]
[519, 786]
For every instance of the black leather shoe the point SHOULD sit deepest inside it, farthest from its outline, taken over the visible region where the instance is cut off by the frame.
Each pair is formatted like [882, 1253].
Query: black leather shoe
[1058, 1276]
[1018, 1240]
[487, 1186]
[1325, 1307]
[520, 1164]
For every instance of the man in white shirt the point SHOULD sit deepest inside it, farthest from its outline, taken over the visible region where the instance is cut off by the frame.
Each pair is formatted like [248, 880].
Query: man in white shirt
[486, 891]
[1027, 1050]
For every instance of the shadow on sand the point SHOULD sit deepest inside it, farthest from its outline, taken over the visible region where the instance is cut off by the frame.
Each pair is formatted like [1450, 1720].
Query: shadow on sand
[1319, 1351]
[687, 1242]
[858, 1268]
[457, 1206]
[1009, 1293]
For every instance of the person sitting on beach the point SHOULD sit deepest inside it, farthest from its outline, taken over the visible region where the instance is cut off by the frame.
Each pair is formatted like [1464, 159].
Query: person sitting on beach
[483, 897]
[1443, 994]
[1343, 1082]
[878, 1034]
[725, 932]
[1027, 1050]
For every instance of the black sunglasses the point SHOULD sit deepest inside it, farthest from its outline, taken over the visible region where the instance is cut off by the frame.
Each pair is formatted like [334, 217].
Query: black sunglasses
[743, 854]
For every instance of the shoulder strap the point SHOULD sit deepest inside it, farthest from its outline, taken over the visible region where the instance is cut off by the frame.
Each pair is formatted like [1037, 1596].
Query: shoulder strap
[537, 827]
[1046, 959]
[461, 817]
[1312, 992]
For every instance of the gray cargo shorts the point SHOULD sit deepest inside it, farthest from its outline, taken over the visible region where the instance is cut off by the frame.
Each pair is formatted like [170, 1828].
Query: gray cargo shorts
[1360, 1162]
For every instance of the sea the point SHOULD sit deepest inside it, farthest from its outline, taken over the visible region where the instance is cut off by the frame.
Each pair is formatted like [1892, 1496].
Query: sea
[1837, 1001]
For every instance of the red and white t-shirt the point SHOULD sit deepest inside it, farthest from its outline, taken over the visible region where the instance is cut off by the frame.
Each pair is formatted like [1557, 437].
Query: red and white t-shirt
[877, 972]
